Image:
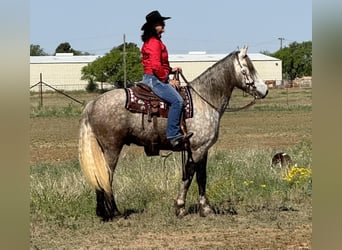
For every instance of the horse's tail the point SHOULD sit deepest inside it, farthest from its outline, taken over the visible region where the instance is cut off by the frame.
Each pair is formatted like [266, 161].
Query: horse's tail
[92, 160]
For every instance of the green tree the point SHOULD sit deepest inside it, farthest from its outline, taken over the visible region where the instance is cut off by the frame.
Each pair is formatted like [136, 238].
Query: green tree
[109, 68]
[265, 52]
[66, 48]
[36, 50]
[296, 59]
[63, 48]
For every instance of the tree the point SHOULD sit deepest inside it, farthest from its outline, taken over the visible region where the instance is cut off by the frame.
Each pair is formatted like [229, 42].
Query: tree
[63, 48]
[91, 87]
[265, 52]
[66, 48]
[296, 59]
[36, 50]
[109, 68]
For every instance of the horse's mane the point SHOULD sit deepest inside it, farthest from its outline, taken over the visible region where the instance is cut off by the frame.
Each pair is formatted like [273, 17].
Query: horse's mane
[226, 63]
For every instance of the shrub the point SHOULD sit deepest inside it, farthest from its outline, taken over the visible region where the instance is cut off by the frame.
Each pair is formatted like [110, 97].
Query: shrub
[91, 87]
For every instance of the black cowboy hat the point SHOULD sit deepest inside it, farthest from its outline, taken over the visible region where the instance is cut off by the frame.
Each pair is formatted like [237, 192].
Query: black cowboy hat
[153, 18]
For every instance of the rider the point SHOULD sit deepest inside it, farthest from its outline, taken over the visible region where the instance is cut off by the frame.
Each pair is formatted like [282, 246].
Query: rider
[156, 74]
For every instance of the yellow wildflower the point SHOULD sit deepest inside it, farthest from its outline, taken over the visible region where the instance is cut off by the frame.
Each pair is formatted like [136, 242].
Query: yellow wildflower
[247, 183]
[297, 174]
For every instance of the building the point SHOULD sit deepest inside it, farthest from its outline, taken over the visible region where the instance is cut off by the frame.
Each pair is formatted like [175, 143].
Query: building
[194, 63]
[63, 71]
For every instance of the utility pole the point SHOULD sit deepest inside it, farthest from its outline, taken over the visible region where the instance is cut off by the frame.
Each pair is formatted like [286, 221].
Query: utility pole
[281, 41]
[124, 60]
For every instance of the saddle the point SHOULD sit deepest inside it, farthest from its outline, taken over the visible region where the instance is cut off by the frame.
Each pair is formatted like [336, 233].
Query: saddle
[141, 99]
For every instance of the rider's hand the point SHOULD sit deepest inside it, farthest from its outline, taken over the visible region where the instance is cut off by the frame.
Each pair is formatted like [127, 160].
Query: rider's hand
[175, 69]
[175, 83]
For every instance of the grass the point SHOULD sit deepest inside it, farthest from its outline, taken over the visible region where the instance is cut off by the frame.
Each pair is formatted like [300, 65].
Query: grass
[60, 194]
[283, 108]
[71, 110]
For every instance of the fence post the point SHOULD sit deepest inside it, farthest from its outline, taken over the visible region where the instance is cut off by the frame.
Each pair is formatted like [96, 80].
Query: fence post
[287, 96]
[41, 90]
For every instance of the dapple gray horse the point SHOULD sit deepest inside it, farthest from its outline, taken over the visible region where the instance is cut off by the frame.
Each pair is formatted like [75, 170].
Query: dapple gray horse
[106, 126]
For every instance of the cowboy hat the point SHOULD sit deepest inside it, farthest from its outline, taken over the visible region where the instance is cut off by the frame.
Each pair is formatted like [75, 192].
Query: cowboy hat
[153, 18]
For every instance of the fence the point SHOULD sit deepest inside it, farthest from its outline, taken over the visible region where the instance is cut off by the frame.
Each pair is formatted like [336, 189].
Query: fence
[42, 84]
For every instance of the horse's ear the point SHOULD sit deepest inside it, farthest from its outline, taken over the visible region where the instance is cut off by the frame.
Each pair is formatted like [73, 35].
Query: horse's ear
[243, 52]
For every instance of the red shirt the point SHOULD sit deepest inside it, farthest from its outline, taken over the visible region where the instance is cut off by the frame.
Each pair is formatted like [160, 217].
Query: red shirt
[155, 59]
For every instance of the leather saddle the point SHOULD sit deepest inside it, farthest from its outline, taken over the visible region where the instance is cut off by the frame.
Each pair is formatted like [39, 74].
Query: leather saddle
[141, 99]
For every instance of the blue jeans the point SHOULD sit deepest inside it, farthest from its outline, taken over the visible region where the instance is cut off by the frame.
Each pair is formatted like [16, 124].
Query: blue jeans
[168, 93]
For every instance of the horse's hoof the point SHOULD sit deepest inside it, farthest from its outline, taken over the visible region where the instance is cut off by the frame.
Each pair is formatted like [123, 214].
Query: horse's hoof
[181, 212]
[106, 217]
[180, 208]
[205, 211]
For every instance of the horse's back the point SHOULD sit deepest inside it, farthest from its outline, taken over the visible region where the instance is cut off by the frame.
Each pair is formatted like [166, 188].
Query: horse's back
[107, 110]
[107, 104]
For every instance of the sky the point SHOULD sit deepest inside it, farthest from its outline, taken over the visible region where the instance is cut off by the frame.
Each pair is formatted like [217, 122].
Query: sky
[214, 26]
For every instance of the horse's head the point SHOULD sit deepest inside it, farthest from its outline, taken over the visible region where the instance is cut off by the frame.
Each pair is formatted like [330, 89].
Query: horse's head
[247, 75]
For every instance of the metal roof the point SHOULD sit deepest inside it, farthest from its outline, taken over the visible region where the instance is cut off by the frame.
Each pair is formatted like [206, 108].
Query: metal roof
[202, 57]
[191, 57]
[62, 59]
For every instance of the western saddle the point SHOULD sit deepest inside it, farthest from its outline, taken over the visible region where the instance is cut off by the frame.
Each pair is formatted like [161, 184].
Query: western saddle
[141, 99]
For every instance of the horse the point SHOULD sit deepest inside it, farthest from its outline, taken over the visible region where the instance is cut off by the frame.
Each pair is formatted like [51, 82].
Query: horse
[106, 126]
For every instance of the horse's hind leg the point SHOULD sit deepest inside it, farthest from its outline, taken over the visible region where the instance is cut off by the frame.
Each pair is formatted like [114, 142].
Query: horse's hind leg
[201, 178]
[98, 157]
[106, 207]
[98, 166]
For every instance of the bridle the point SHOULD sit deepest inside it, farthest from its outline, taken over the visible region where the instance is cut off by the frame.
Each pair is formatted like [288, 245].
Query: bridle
[251, 88]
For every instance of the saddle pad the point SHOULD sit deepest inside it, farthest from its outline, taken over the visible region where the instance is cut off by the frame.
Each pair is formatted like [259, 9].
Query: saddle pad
[143, 105]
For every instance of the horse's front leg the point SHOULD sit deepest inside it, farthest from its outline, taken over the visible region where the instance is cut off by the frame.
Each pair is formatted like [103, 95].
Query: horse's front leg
[201, 178]
[187, 176]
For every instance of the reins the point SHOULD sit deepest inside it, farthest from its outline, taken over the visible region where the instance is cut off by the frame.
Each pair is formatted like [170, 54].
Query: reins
[205, 100]
[243, 107]
[210, 104]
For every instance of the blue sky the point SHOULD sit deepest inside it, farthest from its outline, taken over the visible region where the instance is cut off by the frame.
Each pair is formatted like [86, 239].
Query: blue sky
[215, 26]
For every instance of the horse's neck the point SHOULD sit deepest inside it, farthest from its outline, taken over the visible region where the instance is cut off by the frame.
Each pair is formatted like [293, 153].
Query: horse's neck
[215, 87]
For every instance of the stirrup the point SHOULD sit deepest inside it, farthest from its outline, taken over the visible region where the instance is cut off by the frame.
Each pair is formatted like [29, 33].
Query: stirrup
[188, 135]
[178, 143]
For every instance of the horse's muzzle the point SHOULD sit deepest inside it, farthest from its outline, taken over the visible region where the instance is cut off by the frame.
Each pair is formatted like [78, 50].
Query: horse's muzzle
[265, 95]
[260, 90]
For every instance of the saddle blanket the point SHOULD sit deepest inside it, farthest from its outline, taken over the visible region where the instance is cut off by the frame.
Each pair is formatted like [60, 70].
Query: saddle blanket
[147, 101]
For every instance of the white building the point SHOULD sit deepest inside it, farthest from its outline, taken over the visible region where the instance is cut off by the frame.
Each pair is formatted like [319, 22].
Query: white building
[194, 63]
[63, 71]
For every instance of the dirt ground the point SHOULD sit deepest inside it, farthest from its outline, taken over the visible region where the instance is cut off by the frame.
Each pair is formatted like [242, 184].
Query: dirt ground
[55, 140]
[237, 235]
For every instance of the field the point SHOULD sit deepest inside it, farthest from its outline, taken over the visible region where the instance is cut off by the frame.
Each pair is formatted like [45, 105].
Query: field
[256, 207]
